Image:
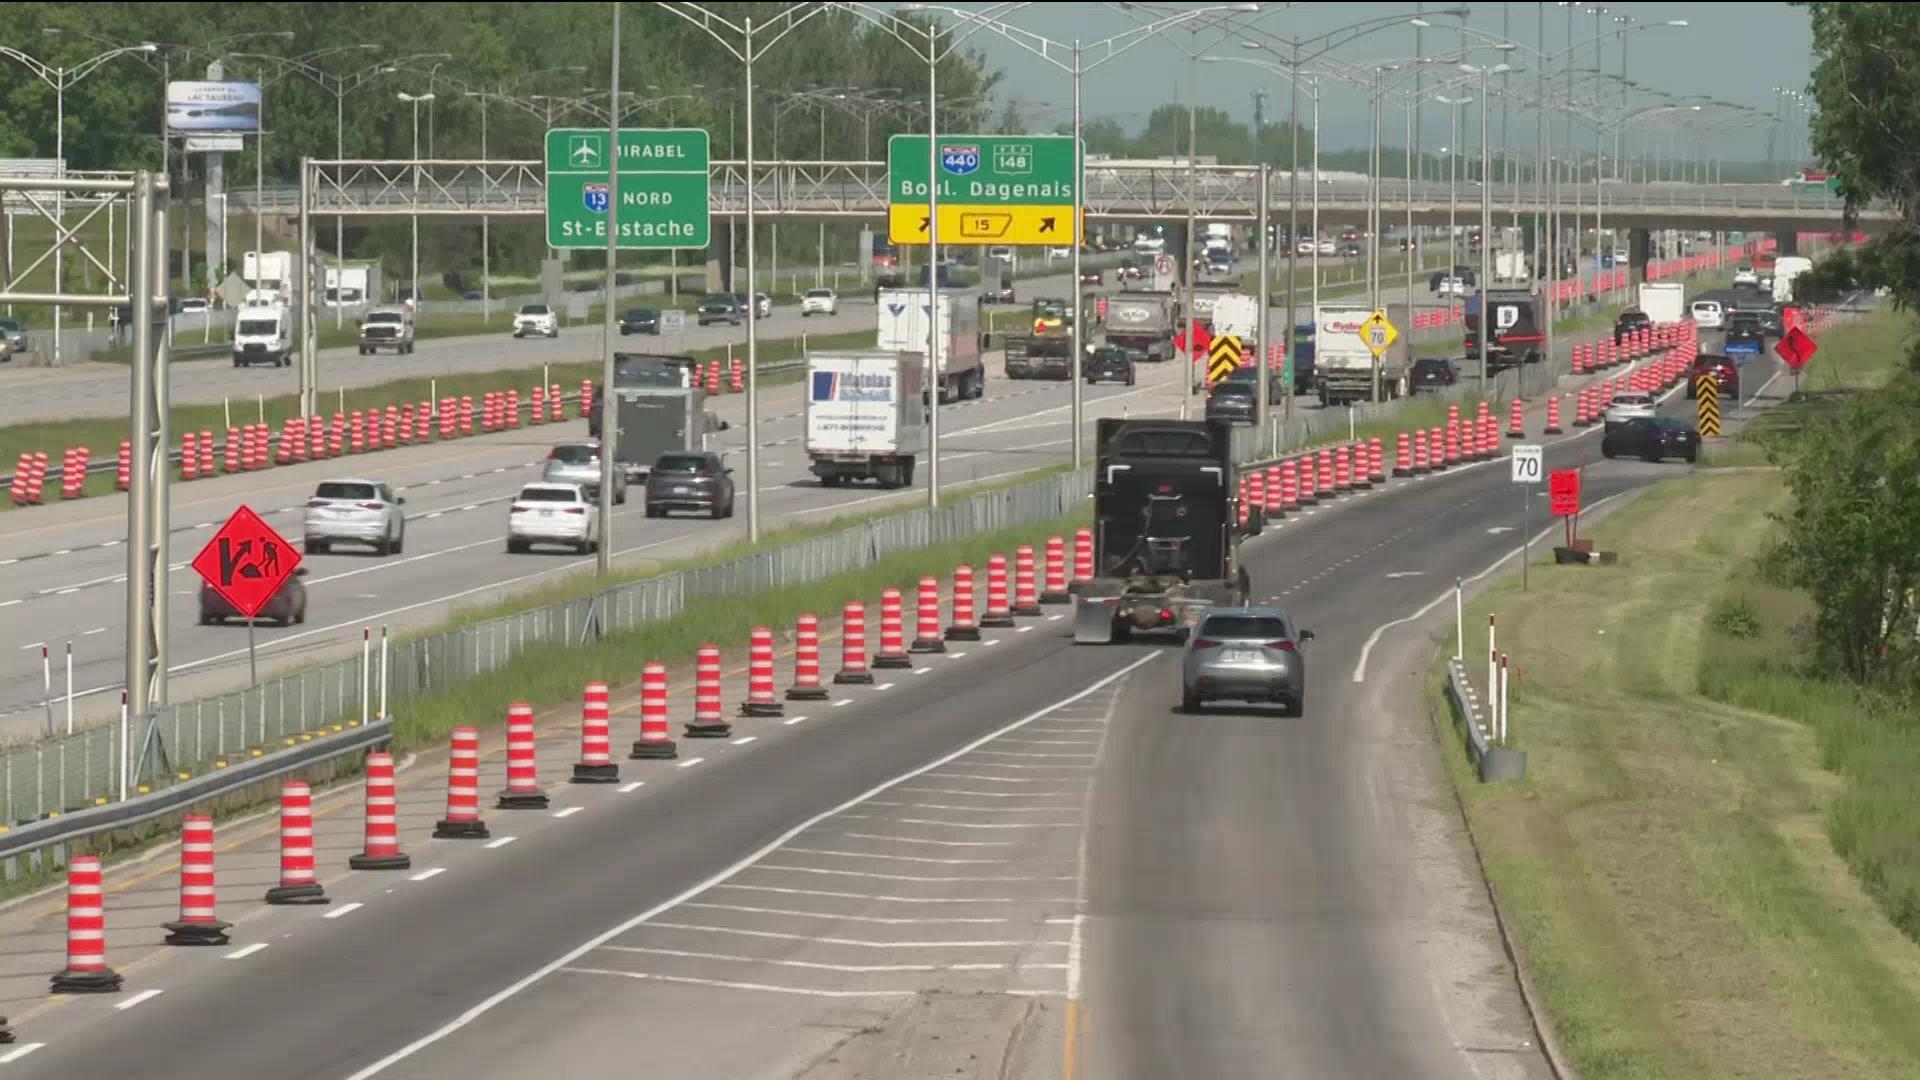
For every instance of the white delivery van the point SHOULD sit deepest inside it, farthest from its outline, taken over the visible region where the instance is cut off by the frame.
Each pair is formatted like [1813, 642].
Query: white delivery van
[1664, 301]
[263, 335]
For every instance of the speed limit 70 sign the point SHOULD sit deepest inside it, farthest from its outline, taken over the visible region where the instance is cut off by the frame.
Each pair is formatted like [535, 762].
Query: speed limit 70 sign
[1529, 463]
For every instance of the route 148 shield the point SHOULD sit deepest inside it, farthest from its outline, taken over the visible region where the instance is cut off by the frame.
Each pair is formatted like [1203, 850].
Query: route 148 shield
[596, 198]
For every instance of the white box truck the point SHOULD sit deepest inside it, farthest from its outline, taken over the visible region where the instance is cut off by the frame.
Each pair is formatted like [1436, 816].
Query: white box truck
[1344, 366]
[866, 416]
[1785, 269]
[351, 286]
[269, 275]
[1664, 301]
[903, 318]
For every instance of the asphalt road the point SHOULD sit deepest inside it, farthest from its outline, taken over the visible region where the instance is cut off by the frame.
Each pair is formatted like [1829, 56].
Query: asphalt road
[1011, 849]
[62, 569]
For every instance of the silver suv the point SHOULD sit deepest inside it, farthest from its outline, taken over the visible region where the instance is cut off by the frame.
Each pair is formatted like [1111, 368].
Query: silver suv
[579, 463]
[389, 328]
[355, 511]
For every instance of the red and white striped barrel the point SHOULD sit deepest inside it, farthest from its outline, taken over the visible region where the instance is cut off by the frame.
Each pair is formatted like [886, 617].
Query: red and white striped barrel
[596, 738]
[1343, 469]
[230, 454]
[1453, 443]
[760, 696]
[357, 432]
[586, 398]
[206, 453]
[466, 414]
[197, 925]
[1257, 489]
[1273, 507]
[86, 970]
[423, 422]
[317, 438]
[556, 406]
[926, 614]
[1308, 494]
[73, 473]
[1376, 472]
[893, 632]
[463, 789]
[1054, 589]
[1289, 486]
[736, 377]
[1553, 416]
[449, 418]
[1403, 454]
[1082, 555]
[655, 741]
[189, 456]
[806, 660]
[999, 607]
[336, 435]
[537, 406]
[381, 850]
[298, 881]
[510, 409]
[123, 467]
[964, 627]
[853, 645]
[707, 720]
[1026, 591]
[523, 762]
[390, 428]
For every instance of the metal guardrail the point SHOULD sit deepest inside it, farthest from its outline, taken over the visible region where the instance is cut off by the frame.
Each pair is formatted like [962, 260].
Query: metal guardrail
[52, 835]
[1467, 714]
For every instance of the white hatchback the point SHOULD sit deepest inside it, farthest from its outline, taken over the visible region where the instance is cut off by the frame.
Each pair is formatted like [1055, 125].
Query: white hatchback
[1625, 407]
[819, 302]
[1707, 314]
[558, 514]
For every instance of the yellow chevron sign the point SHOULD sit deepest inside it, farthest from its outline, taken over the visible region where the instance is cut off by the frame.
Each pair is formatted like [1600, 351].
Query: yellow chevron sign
[1707, 389]
[1223, 357]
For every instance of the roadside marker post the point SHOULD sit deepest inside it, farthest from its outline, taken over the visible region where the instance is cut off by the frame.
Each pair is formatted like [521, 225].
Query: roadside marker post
[1529, 469]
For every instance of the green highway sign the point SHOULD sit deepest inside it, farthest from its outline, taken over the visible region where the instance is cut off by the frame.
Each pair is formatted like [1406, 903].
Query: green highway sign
[662, 190]
[994, 189]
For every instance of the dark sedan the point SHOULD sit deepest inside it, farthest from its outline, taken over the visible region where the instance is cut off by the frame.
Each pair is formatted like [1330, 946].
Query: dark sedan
[1630, 322]
[1433, 373]
[1234, 402]
[1651, 438]
[698, 481]
[640, 320]
[1001, 295]
[288, 606]
[1771, 324]
[721, 309]
[1109, 363]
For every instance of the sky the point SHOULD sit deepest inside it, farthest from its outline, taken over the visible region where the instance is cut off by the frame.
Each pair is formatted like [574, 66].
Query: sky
[1730, 52]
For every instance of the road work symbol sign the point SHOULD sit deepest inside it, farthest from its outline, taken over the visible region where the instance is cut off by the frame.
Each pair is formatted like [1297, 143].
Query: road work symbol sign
[246, 562]
[1223, 358]
[1707, 389]
[1378, 332]
[1796, 348]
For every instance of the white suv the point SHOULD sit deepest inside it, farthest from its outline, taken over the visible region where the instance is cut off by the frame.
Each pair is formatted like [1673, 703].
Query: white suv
[1706, 314]
[355, 512]
[536, 319]
[819, 302]
[1625, 407]
[1745, 276]
[558, 514]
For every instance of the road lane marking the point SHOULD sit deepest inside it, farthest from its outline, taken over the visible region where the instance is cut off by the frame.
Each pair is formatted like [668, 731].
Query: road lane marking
[744, 740]
[810, 965]
[753, 859]
[19, 1052]
[719, 984]
[144, 995]
[246, 950]
[884, 686]
[344, 909]
[838, 917]
[794, 720]
[502, 842]
[428, 875]
[842, 702]
[568, 812]
[775, 935]
[628, 789]
[690, 763]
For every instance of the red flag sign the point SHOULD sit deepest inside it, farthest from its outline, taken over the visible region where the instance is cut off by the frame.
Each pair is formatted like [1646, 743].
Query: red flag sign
[1563, 492]
[246, 562]
[1202, 340]
[1796, 348]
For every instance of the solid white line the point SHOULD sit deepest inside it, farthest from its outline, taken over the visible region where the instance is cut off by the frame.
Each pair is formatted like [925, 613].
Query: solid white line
[246, 950]
[934, 843]
[996, 794]
[813, 939]
[851, 969]
[893, 858]
[883, 920]
[344, 909]
[428, 875]
[568, 812]
[19, 1052]
[628, 789]
[645, 976]
[691, 762]
[144, 995]
[520, 986]
[1360, 667]
[893, 899]
[964, 879]
[502, 842]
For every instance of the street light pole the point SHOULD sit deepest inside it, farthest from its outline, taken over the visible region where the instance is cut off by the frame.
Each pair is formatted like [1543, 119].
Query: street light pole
[609, 423]
[413, 286]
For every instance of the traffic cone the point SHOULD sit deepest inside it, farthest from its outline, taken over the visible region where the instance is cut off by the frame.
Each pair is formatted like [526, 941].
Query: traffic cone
[1402, 455]
[123, 467]
[230, 453]
[926, 610]
[596, 739]
[1516, 420]
[382, 850]
[1308, 495]
[463, 790]
[1082, 555]
[1056, 570]
[298, 885]
[893, 635]
[86, 971]
[964, 627]
[806, 661]
[654, 744]
[523, 762]
[189, 457]
[1326, 478]
[1416, 461]
[206, 453]
[760, 698]
[197, 924]
[999, 610]
[707, 722]
[556, 406]
[1376, 471]
[1553, 416]
[1256, 500]
[1026, 594]
[1274, 510]
[1289, 486]
[853, 646]
[1343, 470]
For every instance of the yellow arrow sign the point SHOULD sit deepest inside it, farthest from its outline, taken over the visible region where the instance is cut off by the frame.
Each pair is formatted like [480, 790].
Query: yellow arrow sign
[1223, 357]
[963, 225]
[1707, 389]
[1378, 332]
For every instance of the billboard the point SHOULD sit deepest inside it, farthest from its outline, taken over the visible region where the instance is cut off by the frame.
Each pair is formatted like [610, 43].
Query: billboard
[195, 107]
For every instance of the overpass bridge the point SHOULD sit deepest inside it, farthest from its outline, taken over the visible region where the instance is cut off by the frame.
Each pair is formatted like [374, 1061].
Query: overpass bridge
[857, 190]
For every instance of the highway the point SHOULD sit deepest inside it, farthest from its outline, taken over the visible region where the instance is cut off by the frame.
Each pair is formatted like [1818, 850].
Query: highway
[62, 567]
[1017, 859]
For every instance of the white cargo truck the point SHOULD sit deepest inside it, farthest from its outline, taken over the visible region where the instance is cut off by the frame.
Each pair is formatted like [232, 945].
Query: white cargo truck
[1344, 365]
[351, 286]
[1239, 315]
[1664, 301]
[270, 275]
[866, 417]
[1785, 269]
[903, 317]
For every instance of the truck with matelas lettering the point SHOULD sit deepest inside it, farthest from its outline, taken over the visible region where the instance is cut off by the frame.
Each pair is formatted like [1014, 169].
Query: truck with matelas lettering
[903, 318]
[866, 416]
[1343, 365]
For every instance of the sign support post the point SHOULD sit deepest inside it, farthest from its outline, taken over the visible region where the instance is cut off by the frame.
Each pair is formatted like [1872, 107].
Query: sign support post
[1529, 470]
[253, 669]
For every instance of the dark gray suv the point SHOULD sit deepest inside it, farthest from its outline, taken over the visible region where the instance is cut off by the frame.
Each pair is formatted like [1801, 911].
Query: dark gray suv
[697, 480]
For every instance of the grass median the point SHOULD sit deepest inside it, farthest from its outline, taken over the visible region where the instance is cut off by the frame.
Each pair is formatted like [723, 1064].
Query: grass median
[1855, 357]
[1676, 866]
[102, 436]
